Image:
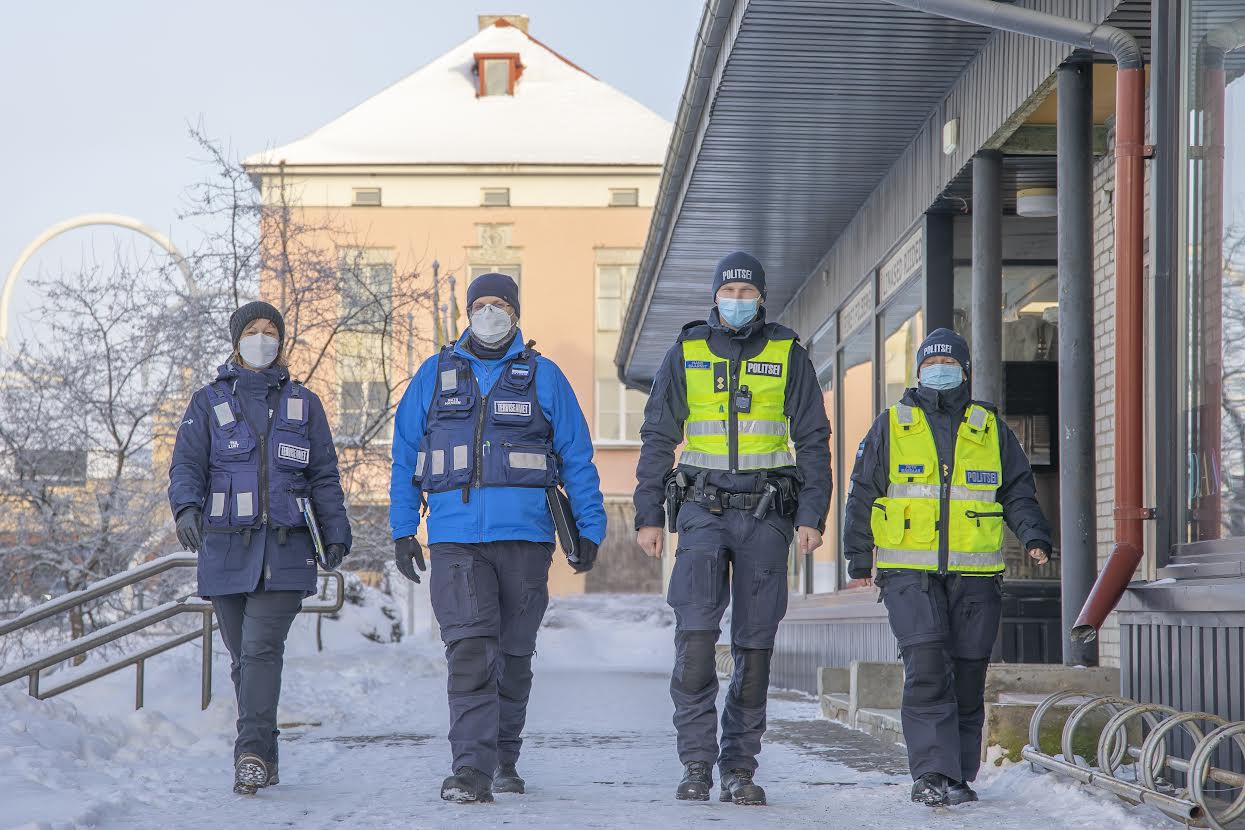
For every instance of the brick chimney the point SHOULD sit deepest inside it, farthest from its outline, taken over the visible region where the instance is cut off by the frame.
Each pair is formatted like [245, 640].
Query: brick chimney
[519, 21]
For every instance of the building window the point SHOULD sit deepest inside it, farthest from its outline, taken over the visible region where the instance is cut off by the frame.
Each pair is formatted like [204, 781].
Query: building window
[619, 410]
[497, 73]
[825, 560]
[365, 282]
[495, 197]
[902, 329]
[1212, 313]
[624, 196]
[364, 411]
[366, 197]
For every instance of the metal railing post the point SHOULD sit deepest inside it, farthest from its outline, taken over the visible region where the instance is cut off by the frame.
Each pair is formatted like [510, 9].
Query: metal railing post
[139, 670]
[206, 698]
[34, 684]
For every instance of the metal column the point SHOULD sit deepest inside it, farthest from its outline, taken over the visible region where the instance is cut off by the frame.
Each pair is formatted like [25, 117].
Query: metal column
[939, 272]
[1077, 490]
[987, 344]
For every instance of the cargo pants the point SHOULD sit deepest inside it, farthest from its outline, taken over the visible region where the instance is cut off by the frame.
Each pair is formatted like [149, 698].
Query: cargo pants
[489, 600]
[946, 627]
[728, 558]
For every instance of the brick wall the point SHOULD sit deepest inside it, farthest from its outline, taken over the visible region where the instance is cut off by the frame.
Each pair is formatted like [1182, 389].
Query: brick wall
[1104, 370]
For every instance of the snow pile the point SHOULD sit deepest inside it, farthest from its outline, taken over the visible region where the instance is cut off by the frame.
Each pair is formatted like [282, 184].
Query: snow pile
[617, 632]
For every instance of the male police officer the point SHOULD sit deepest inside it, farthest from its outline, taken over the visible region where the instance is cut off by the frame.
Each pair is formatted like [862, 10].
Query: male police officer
[734, 384]
[935, 480]
[485, 427]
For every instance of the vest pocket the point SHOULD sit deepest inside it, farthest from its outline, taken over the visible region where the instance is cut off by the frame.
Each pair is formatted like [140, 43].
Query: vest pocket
[244, 501]
[521, 465]
[216, 505]
[887, 522]
[922, 523]
[977, 526]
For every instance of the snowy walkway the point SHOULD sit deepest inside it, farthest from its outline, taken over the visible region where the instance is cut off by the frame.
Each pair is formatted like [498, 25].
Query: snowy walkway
[371, 751]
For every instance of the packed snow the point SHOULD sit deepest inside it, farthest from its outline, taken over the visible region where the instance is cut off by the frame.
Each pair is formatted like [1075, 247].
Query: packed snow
[363, 745]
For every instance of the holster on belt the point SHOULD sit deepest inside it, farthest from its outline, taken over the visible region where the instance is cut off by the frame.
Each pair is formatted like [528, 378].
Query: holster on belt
[676, 494]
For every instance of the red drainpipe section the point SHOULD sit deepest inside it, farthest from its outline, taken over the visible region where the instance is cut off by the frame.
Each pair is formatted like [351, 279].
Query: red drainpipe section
[1130, 154]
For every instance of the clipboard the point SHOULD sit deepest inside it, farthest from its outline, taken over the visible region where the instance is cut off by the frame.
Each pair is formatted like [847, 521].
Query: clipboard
[313, 526]
[563, 522]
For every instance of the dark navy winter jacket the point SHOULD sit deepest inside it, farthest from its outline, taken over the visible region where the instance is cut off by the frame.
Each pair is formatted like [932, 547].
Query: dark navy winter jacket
[666, 411]
[496, 514]
[232, 562]
[944, 411]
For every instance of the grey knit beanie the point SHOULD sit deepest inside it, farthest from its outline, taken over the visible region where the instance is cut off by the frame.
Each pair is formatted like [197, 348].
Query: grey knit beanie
[258, 310]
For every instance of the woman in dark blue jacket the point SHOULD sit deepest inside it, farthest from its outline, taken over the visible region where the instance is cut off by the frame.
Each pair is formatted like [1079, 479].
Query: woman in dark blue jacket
[251, 443]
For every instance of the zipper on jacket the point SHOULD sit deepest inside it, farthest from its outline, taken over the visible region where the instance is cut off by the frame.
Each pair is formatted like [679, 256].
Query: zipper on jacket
[944, 525]
[732, 423]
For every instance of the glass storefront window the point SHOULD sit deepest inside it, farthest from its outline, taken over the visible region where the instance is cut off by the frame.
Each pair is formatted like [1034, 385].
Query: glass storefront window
[826, 557]
[855, 411]
[1213, 293]
[1030, 309]
[903, 327]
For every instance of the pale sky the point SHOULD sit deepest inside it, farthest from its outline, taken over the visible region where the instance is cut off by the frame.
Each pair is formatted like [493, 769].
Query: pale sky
[97, 96]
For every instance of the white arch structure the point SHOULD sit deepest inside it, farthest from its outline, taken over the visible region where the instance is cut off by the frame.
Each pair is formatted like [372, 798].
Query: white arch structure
[86, 220]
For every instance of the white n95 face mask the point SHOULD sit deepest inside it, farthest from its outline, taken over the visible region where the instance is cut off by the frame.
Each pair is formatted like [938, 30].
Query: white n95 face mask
[490, 325]
[258, 351]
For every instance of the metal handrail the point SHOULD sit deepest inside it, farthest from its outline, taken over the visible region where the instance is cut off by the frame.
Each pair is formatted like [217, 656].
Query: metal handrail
[130, 625]
[98, 589]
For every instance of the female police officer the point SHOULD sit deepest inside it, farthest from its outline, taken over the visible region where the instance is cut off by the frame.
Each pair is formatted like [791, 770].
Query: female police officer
[251, 442]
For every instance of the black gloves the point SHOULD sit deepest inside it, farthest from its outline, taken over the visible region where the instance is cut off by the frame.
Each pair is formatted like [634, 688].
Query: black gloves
[333, 555]
[407, 554]
[190, 528]
[587, 556]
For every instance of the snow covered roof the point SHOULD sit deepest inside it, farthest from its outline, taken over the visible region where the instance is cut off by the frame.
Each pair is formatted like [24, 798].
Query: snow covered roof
[559, 114]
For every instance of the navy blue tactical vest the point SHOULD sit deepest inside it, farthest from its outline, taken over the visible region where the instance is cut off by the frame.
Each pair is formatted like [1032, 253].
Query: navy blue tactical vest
[253, 479]
[497, 440]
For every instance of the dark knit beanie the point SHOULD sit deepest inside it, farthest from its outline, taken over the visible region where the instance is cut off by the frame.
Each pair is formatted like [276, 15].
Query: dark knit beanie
[945, 342]
[494, 285]
[739, 267]
[250, 312]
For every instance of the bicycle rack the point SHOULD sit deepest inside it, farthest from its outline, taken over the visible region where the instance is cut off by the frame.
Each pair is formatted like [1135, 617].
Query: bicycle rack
[1193, 805]
[33, 667]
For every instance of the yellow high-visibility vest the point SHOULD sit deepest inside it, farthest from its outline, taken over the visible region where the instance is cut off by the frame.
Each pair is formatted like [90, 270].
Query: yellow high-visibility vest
[759, 436]
[907, 522]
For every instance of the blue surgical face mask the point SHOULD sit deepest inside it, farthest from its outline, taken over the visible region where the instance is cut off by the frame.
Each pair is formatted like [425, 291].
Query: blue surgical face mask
[738, 313]
[942, 376]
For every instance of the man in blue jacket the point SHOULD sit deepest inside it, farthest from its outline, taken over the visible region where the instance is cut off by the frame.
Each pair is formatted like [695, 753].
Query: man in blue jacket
[484, 429]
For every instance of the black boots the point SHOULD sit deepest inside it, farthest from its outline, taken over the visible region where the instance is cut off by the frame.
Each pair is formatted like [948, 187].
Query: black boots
[249, 774]
[737, 786]
[931, 789]
[507, 780]
[697, 782]
[960, 793]
[466, 786]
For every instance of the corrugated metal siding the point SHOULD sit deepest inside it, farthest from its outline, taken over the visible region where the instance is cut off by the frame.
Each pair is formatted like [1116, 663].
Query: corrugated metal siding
[803, 647]
[1191, 667]
[998, 83]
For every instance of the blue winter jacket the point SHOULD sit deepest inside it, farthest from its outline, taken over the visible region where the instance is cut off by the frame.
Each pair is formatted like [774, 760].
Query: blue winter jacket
[234, 562]
[494, 514]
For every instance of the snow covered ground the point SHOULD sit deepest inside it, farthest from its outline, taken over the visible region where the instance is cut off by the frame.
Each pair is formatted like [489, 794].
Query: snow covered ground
[369, 750]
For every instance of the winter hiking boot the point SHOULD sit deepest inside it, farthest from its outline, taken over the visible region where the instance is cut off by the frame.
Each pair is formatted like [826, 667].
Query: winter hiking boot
[273, 778]
[737, 786]
[931, 790]
[467, 786]
[507, 780]
[697, 782]
[249, 774]
[960, 793]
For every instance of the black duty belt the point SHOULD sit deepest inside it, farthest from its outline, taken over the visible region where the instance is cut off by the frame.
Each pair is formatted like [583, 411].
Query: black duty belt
[734, 501]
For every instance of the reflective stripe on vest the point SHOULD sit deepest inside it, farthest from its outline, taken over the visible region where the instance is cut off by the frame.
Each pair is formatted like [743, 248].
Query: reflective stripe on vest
[908, 524]
[761, 441]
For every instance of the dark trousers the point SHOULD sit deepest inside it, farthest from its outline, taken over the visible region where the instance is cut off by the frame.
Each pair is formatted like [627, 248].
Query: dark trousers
[489, 600]
[946, 627]
[729, 558]
[254, 627]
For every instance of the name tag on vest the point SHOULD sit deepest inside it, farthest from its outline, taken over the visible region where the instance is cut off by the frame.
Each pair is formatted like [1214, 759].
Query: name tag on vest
[990, 477]
[759, 367]
[695, 364]
[521, 408]
[291, 453]
[911, 469]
